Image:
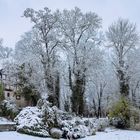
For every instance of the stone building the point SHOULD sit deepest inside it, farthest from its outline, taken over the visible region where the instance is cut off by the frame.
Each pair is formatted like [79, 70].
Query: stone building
[10, 91]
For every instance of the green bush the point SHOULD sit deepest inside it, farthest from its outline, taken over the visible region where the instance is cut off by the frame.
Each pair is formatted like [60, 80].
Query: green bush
[120, 114]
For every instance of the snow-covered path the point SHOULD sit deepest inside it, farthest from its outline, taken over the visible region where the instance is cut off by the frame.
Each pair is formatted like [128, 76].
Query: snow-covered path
[108, 135]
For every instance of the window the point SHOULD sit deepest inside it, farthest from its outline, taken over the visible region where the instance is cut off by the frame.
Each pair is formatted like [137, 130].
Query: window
[8, 94]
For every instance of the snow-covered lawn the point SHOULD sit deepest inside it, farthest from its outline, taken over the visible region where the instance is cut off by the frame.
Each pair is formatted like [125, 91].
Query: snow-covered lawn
[115, 135]
[5, 121]
[108, 135]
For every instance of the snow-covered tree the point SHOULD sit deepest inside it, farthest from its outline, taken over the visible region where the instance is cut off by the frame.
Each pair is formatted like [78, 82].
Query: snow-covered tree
[26, 54]
[122, 37]
[133, 61]
[5, 52]
[101, 88]
[44, 43]
[80, 37]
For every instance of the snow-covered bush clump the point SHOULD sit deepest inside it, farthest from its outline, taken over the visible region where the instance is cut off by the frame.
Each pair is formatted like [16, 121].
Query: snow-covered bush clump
[46, 120]
[49, 113]
[30, 121]
[71, 125]
[8, 109]
[56, 133]
[81, 127]
[101, 123]
[10, 105]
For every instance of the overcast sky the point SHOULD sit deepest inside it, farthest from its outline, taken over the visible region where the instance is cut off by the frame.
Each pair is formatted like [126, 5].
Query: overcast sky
[12, 25]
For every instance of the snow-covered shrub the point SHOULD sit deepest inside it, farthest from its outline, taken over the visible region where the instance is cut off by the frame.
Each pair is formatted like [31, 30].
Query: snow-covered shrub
[30, 121]
[63, 115]
[101, 124]
[37, 132]
[118, 122]
[135, 114]
[120, 114]
[52, 115]
[49, 114]
[134, 117]
[46, 118]
[80, 131]
[93, 132]
[8, 109]
[36, 120]
[43, 103]
[82, 127]
[137, 127]
[56, 133]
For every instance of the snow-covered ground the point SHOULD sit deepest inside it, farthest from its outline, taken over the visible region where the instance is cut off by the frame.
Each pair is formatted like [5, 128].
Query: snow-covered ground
[5, 121]
[108, 135]
[115, 135]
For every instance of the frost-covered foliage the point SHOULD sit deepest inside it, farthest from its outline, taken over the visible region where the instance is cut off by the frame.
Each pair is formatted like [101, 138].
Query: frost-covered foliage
[46, 120]
[43, 43]
[66, 55]
[99, 96]
[56, 133]
[5, 51]
[64, 59]
[134, 74]
[30, 121]
[9, 109]
[70, 125]
[33, 114]
[123, 38]
[81, 40]
[9, 105]
[82, 127]
[120, 114]
[53, 43]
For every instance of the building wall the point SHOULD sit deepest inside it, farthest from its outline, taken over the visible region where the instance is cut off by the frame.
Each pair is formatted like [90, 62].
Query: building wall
[10, 92]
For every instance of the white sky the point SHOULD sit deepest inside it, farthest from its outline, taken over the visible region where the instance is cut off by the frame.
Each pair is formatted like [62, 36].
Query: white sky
[12, 25]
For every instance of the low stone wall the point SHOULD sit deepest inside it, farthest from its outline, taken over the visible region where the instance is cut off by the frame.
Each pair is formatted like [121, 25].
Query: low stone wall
[7, 127]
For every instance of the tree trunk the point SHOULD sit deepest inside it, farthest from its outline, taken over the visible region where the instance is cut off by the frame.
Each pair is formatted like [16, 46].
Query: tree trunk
[77, 99]
[53, 86]
[123, 83]
[123, 78]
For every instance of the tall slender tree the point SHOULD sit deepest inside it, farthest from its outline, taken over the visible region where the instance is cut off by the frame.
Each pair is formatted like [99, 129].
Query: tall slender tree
[122, 37]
